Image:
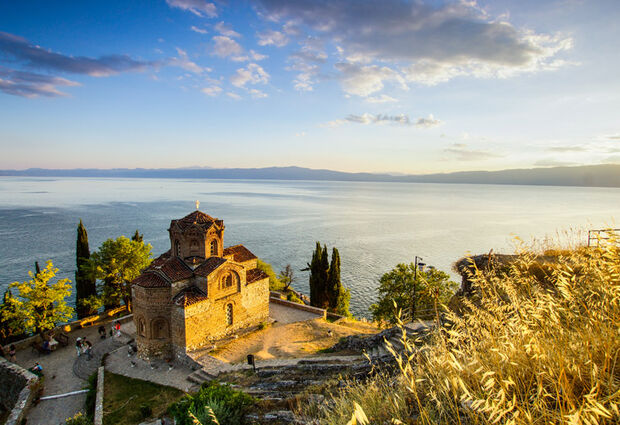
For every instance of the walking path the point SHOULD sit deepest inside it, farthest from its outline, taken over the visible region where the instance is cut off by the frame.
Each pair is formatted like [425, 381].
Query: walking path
[59, 367]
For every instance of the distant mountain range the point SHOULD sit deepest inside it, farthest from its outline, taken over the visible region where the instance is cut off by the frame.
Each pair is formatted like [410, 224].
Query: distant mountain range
[590, 176]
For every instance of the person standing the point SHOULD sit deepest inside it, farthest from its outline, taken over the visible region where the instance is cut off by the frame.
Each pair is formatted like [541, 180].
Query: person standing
[88, 348]
[117, 328]
[78, 346]
[12, 353]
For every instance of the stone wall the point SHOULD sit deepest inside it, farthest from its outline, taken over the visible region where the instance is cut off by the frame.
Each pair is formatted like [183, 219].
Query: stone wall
[151, 315]
[18, 388]
[206, 321]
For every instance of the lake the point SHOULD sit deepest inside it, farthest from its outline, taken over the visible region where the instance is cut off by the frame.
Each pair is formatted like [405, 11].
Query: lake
[374, 225]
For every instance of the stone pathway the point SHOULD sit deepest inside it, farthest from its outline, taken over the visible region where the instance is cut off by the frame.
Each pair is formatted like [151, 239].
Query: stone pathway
[83, 367]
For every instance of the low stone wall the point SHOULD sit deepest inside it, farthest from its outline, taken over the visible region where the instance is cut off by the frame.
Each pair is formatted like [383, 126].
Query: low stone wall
[320, 311]
[99, 399]
[77, 324]
[18, 387]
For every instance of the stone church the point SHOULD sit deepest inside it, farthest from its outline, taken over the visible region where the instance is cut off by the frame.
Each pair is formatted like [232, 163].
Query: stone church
[198, 291]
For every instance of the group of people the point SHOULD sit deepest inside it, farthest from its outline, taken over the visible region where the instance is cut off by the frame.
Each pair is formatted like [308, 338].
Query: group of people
[84, 346]
[8, 354]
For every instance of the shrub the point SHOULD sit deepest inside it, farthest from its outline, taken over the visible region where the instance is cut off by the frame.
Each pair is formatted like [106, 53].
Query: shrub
[523, 351]
[145, 411]
[79, 419]
[228, 405]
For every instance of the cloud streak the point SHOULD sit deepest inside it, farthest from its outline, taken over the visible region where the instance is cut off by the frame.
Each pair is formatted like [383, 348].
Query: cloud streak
[197, 7]
[36, 57]
[400, 119]
[463, 152]
[29, 84]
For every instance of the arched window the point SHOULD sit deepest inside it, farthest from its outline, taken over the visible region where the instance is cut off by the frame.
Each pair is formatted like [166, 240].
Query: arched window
[177, 248]
[214, 248]
[160, 329]
[228, 280]
[141, 326]
[229, 314]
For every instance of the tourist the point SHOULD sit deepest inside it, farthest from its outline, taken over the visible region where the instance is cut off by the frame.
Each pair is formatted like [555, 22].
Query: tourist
[78, 346]
[37, 369]
[101, 332]
[47, 349]
[88, 348]
[12, 353]
[117, 328]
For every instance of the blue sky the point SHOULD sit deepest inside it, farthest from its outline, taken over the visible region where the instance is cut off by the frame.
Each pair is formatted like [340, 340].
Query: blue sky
[354, 85]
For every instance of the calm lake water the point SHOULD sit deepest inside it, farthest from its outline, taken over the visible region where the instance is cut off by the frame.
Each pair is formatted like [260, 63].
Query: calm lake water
[374, 225]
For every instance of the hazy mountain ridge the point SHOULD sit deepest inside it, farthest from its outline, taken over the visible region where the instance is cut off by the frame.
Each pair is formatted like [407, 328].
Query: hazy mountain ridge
[607, 175]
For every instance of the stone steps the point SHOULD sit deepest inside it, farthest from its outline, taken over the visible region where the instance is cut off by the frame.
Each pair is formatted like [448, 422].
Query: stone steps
[200, 376]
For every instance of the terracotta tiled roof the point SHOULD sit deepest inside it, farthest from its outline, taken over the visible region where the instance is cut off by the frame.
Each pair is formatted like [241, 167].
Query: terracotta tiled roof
[151, 280]
[189, 296]
[210, 264]
[197, 217]
[239, 253]
[160, 260]
[255, 275]
[176, 269]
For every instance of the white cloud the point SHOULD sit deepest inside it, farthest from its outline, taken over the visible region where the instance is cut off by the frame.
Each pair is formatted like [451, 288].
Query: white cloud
[419, 42]
[271, 37]
[252, 74]
[400, 119]
[197, 7]
[226, 46]
[182, 61]
[428, 122]
[380, 99]
[232, 95]
[226, 29]
[198, 30]
[257, 94]
[255, 56]
[366, 80]
[212, 91]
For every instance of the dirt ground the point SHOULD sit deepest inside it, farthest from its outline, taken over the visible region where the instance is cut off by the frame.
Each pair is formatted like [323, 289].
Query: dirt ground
[299, 339]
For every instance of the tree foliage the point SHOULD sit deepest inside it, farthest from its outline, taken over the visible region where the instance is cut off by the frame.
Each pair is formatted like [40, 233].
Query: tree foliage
[137, 237]
[274, 283]
[118, 262]
[85, 284]
[326, 289]
[7, 331]
[287, 276]
[422, 291]
[39, 305]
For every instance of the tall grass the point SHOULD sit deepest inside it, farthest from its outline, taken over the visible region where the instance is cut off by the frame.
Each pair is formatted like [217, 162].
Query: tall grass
[524, 350]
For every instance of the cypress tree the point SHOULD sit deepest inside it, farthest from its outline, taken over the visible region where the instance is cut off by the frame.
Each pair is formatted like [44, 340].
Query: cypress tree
[323, 276]
[85, 285]
[314, 275]
[137, 237]
[338, 295]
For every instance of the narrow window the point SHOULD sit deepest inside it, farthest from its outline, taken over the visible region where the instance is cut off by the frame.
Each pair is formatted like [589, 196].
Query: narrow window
[214, 248]
[141, 327]
[229, 314]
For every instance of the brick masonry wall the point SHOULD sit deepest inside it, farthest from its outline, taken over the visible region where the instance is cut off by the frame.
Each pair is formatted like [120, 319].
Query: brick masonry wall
[151, 315]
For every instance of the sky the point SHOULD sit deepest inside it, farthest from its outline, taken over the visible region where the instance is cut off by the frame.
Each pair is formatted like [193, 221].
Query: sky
[391, 86]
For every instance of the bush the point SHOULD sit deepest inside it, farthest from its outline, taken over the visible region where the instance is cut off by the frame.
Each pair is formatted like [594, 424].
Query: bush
[79, 419]
[145, 411]
[293, 298]
[274, 283]
[523, 351]
[228, 405]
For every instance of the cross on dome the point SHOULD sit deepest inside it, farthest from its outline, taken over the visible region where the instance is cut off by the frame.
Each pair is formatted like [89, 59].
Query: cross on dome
[197, 204]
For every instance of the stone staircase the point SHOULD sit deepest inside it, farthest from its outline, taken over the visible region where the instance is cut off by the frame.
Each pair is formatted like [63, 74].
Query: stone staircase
[200, 376]
[381, 350]
[83, 368]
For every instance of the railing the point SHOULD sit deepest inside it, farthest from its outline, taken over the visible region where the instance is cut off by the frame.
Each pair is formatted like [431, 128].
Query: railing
[596, 236]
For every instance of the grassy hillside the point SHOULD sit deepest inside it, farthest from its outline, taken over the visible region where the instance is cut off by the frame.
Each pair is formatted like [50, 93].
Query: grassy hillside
[523, 350]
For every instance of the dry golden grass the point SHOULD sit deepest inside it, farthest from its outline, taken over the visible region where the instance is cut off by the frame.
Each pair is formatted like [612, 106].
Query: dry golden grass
[524, 351]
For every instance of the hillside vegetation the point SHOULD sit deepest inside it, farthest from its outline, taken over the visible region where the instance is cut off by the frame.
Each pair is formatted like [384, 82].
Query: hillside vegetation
[523, 349]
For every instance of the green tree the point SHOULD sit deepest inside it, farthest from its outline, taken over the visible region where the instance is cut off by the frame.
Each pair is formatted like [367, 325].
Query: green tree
[274, 282]
[424, 291]
[287, 277]
[39, 304]
[337, 294]
[85, 284]
[118, 262]
[137, 237]
[319, 272]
